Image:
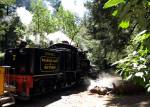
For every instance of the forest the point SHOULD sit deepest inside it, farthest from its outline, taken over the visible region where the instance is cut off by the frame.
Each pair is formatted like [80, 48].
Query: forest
[115, 33]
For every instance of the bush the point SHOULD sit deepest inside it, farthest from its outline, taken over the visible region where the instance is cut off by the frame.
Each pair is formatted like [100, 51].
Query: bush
[136, 66]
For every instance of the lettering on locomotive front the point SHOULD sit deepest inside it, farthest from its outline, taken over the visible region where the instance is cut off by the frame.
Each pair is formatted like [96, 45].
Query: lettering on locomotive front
[48, 64]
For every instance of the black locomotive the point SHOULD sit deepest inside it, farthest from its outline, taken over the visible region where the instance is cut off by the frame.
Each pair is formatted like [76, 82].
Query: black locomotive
[35, 70]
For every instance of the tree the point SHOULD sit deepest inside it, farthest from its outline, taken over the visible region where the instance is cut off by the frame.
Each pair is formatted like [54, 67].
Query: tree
[45, 22]
[7, 2]
[66, 22]
[135, 12]
[42, 19]
[5, 25]
[103, 27]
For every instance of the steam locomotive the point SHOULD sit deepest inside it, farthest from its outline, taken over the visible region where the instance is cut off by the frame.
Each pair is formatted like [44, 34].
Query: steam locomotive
[35, 70]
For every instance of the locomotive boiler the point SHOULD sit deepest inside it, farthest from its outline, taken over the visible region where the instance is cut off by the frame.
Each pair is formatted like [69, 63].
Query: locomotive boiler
[35, 71]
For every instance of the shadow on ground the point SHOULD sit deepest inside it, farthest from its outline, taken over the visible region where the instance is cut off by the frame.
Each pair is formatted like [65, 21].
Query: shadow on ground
[129, 101]
[44, 100]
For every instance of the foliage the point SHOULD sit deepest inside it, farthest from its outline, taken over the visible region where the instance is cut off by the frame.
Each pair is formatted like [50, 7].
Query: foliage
[135, 12]
[84, 41]
[20, 30]
[45, 22]
[7, 2]
[2, 29]
[7, 22]
[111, 3]
[42, 20]
[11, 35]
[124, 24]
[66, 22]
[103, 27]
[136, 65]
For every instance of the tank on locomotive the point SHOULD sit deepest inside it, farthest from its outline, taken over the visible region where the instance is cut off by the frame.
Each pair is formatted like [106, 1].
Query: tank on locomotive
[35, 71]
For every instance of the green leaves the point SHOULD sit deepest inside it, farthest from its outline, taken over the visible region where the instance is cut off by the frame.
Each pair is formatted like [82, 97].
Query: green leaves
[139, 74]
[7, 2]
[133, 16]
[42, 19]
[142, 40]
[124, 24]
[112, 3]
[136, 68]
[1, 55]
[45, 22]
[148, 3]
[115, 13]
[148, 87]
[134, 10]
[66, 22]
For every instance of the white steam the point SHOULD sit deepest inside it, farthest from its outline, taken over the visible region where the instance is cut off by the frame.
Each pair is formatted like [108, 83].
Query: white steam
[24, 15]
[104, 80]
[75, 6]
[58, 37]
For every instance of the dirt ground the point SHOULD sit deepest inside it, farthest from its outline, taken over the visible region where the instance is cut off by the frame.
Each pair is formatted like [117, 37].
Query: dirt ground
[79, 97]
[83, 99]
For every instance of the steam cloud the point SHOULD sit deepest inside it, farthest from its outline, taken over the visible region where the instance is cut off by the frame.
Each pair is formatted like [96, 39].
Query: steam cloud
[24, 15]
